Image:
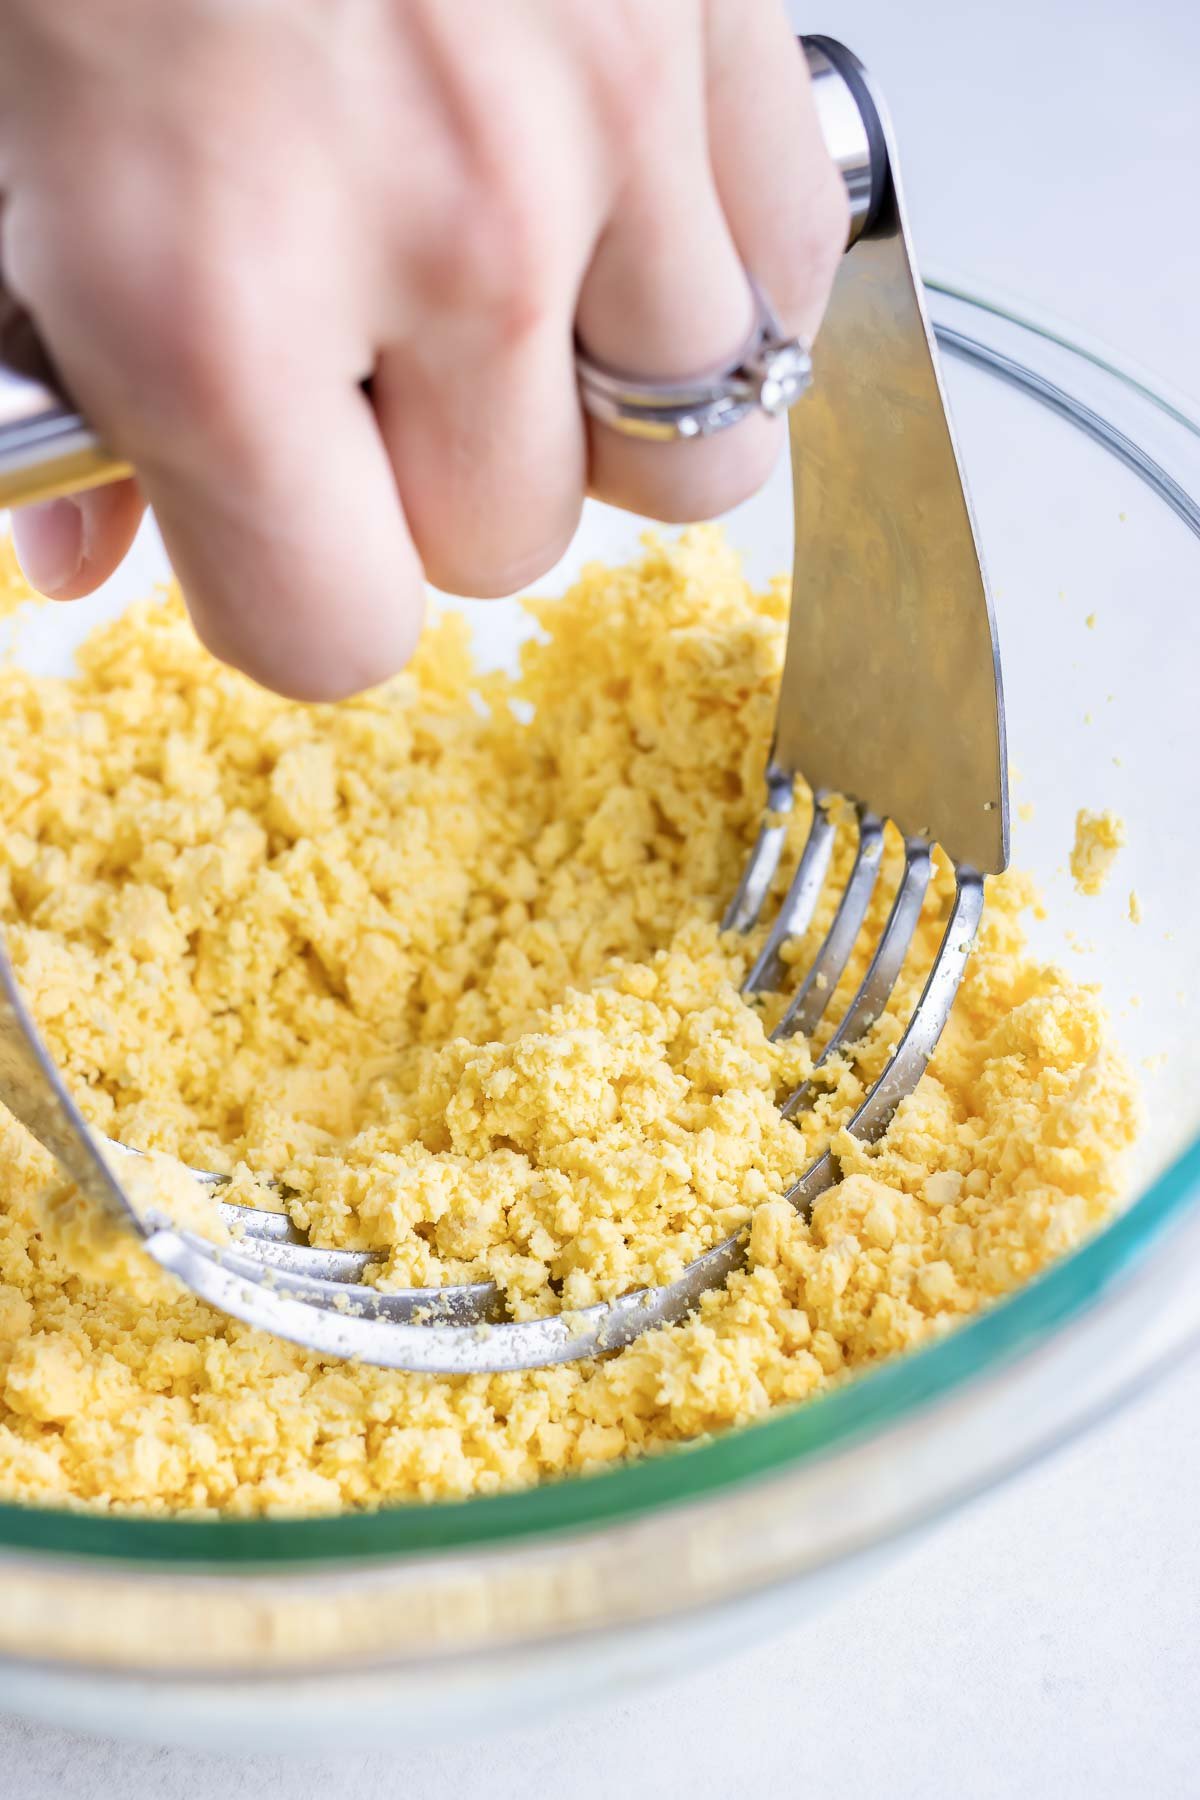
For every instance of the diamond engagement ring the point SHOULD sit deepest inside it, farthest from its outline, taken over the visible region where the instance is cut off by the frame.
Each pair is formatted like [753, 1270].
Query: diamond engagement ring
[768, 374]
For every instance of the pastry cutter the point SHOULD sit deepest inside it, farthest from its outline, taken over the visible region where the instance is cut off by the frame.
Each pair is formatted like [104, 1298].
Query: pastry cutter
[890, 700]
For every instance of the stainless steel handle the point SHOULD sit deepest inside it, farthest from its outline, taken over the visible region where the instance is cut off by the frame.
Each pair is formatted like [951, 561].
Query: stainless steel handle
[48, 448]
[852, 128]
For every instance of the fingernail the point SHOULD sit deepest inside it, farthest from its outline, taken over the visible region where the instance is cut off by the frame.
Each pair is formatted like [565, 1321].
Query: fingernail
[49, 543]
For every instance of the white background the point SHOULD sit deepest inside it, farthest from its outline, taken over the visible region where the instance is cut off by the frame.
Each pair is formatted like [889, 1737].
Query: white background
[1045, 1642]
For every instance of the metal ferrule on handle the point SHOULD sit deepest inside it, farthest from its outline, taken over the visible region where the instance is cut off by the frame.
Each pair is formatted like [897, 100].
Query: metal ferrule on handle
[851, 127]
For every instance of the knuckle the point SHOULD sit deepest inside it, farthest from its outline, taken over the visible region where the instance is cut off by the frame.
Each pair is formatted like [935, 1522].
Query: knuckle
[194, 351]
[207, 343]
[496, 262]
[633, 72]
[206, 365]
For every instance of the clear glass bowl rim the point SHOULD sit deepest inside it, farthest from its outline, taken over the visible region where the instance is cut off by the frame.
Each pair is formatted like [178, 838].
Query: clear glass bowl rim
[784, 1439]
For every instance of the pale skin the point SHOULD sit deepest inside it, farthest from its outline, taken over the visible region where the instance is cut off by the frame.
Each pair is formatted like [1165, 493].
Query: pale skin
[224, 215]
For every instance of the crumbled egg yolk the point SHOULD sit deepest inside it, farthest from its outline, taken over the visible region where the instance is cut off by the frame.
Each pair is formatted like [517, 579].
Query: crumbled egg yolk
[15, 591]
[446, 960]
[1098, 837]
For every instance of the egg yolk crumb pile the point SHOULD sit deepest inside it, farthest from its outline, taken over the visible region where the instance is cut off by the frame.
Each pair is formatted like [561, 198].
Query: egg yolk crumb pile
[1098, 838]
[445, 960]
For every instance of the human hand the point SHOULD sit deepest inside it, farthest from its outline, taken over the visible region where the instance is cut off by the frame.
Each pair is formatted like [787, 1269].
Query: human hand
[224, 217]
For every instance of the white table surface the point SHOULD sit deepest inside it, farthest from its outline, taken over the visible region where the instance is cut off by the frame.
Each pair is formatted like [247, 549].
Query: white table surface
[1047, 1641]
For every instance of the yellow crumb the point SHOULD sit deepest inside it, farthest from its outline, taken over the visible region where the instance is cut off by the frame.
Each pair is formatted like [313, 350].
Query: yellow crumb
[15, 591]
[162, 1190]
[1098, 837]
[1090, 621]
[446, 960]
[1135, 907]
[1025, 811]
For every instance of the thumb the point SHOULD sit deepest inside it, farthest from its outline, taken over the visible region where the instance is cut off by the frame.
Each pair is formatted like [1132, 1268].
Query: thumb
[68, 547]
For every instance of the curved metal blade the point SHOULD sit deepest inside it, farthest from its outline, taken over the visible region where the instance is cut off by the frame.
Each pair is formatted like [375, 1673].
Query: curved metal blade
[891, 688]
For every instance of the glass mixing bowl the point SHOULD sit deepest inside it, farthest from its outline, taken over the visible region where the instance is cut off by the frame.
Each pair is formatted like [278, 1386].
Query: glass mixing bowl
[416, 1620]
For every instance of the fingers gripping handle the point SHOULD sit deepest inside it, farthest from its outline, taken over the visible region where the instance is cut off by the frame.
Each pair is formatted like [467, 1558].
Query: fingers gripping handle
[47, 448]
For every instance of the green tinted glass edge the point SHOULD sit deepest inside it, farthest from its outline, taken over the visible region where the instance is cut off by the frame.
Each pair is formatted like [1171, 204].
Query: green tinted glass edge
[785, 1439]
[788, 1438]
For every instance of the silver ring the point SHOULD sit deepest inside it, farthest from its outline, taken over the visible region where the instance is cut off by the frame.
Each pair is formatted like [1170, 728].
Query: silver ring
[768, 374]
